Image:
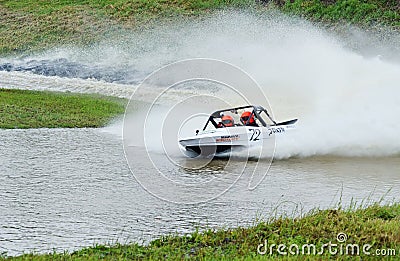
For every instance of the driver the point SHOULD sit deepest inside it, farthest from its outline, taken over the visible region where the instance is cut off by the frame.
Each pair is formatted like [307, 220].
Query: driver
[247, 118]
[226, 121]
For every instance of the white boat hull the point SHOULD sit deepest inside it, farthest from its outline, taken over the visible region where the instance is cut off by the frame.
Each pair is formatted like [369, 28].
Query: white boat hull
[222, 140]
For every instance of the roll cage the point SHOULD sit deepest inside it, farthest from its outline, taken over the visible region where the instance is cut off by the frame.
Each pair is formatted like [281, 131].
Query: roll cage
[255, 110]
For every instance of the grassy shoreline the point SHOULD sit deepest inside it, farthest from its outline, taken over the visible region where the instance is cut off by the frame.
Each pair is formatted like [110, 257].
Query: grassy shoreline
[38, 109]
[367, 13]
[28, 26]
[376, 225]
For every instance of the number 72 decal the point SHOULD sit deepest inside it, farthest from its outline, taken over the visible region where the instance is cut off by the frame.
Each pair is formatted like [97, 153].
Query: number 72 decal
[255, 135]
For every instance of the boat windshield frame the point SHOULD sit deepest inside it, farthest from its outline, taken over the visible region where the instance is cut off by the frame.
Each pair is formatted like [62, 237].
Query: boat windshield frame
[256, 111]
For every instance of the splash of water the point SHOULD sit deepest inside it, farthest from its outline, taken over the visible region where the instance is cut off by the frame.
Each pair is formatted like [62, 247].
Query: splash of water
[347, 100]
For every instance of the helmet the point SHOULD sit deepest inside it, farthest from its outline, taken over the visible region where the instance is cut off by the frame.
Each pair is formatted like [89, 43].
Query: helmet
[227, 121]
[247, 118]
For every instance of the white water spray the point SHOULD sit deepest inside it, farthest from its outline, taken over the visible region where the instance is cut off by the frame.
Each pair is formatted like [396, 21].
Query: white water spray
[347, 103]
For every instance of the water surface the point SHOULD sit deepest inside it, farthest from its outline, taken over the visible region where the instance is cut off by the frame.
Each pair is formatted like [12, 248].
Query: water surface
[63, 189]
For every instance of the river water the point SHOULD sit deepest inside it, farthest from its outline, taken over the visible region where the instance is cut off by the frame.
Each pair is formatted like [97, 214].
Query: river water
[64, 189]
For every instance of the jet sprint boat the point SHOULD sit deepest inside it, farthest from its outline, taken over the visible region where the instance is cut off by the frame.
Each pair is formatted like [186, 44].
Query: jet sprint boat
[223, 133]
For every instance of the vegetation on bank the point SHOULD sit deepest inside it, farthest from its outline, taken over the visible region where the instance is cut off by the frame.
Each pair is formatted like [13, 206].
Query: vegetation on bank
[361, 12]
[376, 225]
[31, 25]
[36, 109]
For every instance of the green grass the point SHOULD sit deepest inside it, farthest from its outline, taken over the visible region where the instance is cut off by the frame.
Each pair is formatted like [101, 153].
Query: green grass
[376, 225]
[34, 109]
[31, 25]
[362, 12]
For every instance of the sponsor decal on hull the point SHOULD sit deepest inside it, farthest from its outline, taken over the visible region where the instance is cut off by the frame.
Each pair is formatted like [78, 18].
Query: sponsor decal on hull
[227, 138]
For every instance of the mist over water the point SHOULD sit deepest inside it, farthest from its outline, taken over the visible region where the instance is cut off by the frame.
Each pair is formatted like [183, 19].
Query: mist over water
[344, 93]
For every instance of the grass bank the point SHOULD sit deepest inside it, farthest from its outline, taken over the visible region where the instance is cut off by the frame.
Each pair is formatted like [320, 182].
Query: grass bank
[34, 109]
[360, 12]
[31, 25]
[36, 25]
[378, 226]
